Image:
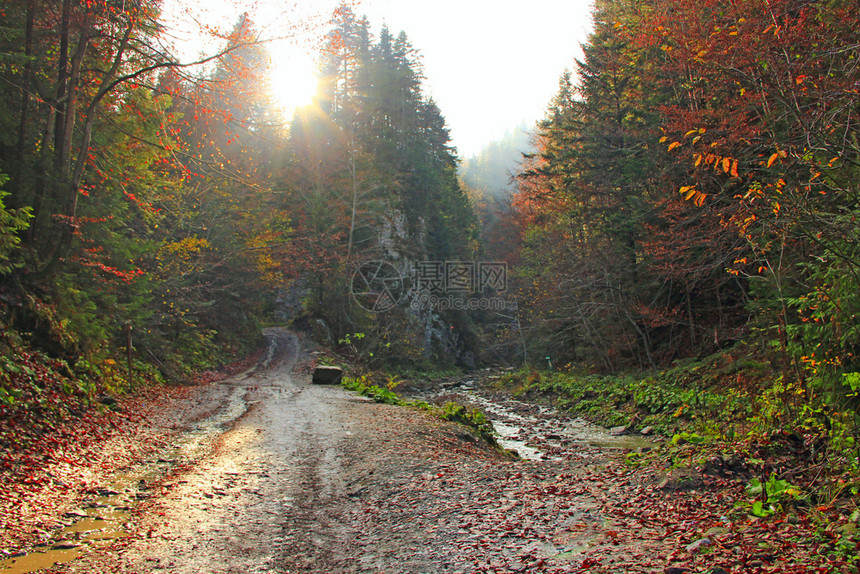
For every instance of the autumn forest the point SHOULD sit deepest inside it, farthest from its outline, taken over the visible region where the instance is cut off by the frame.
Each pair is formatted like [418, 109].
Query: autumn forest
[689, 201]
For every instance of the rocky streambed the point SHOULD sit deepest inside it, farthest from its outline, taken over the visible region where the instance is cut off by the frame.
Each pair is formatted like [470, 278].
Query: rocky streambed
[535, 432]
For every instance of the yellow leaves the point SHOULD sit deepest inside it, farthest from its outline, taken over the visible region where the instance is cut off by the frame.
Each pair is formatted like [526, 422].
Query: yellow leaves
[776, 208]
[673, 145]
[727, 164]
[663, 139]
[186, 248]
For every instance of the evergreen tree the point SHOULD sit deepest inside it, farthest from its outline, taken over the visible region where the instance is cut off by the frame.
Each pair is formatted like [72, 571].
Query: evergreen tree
[372, 165]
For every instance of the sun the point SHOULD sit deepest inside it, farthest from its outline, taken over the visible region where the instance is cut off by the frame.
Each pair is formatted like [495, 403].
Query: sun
[293, 77]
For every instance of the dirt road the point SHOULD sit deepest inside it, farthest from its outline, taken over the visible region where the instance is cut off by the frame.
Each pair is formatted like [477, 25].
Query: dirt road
[285, 476]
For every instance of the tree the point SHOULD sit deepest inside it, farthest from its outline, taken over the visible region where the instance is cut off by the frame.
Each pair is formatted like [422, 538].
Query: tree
[371, 174]
[109, 156]
[766, 129]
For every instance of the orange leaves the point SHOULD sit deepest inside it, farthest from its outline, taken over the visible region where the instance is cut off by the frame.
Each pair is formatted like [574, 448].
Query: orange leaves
[778, 154]
[734, 169]
[690, 192]
[772, 159]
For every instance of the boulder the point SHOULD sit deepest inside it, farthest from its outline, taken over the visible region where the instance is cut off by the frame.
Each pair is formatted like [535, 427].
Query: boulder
[327, 376]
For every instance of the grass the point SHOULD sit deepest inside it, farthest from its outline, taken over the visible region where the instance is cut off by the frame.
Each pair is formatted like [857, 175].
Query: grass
[688, 397]
[450, 411]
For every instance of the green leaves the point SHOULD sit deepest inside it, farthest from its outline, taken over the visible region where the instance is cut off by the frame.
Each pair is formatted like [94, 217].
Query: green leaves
[12, 223]
[851, 380]
[773, 492]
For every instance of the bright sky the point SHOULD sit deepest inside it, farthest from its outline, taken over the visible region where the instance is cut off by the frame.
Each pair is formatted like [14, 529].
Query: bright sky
[491, 65]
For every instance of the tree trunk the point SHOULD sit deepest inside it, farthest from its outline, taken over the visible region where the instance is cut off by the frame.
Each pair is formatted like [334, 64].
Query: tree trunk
[62, 75]
[25, 100]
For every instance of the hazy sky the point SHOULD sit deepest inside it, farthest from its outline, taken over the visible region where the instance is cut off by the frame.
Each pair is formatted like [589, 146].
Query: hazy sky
[489, 64]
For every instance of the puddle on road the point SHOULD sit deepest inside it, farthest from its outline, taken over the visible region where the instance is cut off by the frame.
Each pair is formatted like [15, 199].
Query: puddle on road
[104, 517]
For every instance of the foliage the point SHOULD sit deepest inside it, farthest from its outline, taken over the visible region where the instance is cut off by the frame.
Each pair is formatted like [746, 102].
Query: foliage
[130, 221]
[12, 223]
[695, 186]
[772, 494]
[365, 387]
[473, 418]
[689, 397]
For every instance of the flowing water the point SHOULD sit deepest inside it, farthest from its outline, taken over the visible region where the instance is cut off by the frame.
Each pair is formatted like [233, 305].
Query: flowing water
[536, 432]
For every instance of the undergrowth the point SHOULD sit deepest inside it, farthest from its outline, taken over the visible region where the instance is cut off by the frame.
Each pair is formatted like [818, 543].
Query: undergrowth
[40, 395]
[727, 406]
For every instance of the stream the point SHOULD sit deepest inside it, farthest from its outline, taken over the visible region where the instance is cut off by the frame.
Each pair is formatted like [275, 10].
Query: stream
[535, 432]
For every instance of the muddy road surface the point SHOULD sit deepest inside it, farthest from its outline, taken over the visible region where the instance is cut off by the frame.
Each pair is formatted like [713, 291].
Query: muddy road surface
[285, 476]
